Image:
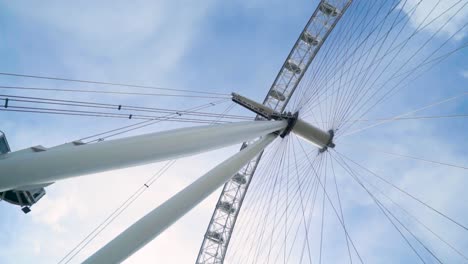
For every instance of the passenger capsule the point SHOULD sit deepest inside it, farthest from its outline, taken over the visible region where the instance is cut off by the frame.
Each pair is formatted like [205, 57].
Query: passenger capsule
[328, 9]
[226, 207]
[215, 237]
[309, 39]
[292, 67]
[277, 95]
[239, 179]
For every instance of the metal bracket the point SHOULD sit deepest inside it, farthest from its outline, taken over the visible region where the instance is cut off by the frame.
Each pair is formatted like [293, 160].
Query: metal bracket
[330, 143]
[253, 106]
[292, 119]
[267, 112]
[4, 147]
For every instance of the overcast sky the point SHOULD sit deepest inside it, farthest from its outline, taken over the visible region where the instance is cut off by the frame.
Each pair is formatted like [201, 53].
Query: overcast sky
[211, 46]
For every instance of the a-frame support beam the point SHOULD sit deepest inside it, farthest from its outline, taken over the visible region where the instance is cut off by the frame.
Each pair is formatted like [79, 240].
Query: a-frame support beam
[39, 165]
[155, 222]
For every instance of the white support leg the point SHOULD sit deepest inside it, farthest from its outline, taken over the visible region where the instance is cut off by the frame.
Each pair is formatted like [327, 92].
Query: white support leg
[155, 222]
[39, 165]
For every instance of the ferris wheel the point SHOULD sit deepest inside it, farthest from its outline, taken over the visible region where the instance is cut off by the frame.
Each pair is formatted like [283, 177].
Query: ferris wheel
[283, 192]
[322, 22]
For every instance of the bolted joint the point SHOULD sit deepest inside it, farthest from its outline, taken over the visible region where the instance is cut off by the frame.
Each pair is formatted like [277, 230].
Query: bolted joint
[330, 143]
[292, 119]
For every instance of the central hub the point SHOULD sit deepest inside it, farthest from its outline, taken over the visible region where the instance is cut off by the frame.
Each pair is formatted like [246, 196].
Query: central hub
[322, 139]
[314, 135]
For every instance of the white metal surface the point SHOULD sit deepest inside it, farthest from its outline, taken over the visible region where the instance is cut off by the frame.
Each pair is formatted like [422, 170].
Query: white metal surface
[42, 165]
[314, 135]
[155, 222]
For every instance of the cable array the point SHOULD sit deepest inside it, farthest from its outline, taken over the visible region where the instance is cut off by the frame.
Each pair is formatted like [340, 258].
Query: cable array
[300, 205]
[82, 108]
[105, 83]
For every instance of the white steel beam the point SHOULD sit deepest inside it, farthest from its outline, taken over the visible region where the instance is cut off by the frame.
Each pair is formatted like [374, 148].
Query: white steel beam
[155, 222]
[39, 165]
[312, 134]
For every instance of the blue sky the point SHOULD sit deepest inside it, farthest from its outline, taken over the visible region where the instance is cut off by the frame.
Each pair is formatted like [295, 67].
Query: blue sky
[211, 46]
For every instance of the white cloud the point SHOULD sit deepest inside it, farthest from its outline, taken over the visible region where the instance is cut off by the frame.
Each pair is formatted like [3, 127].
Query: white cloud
[454, 11]
[465, 74]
